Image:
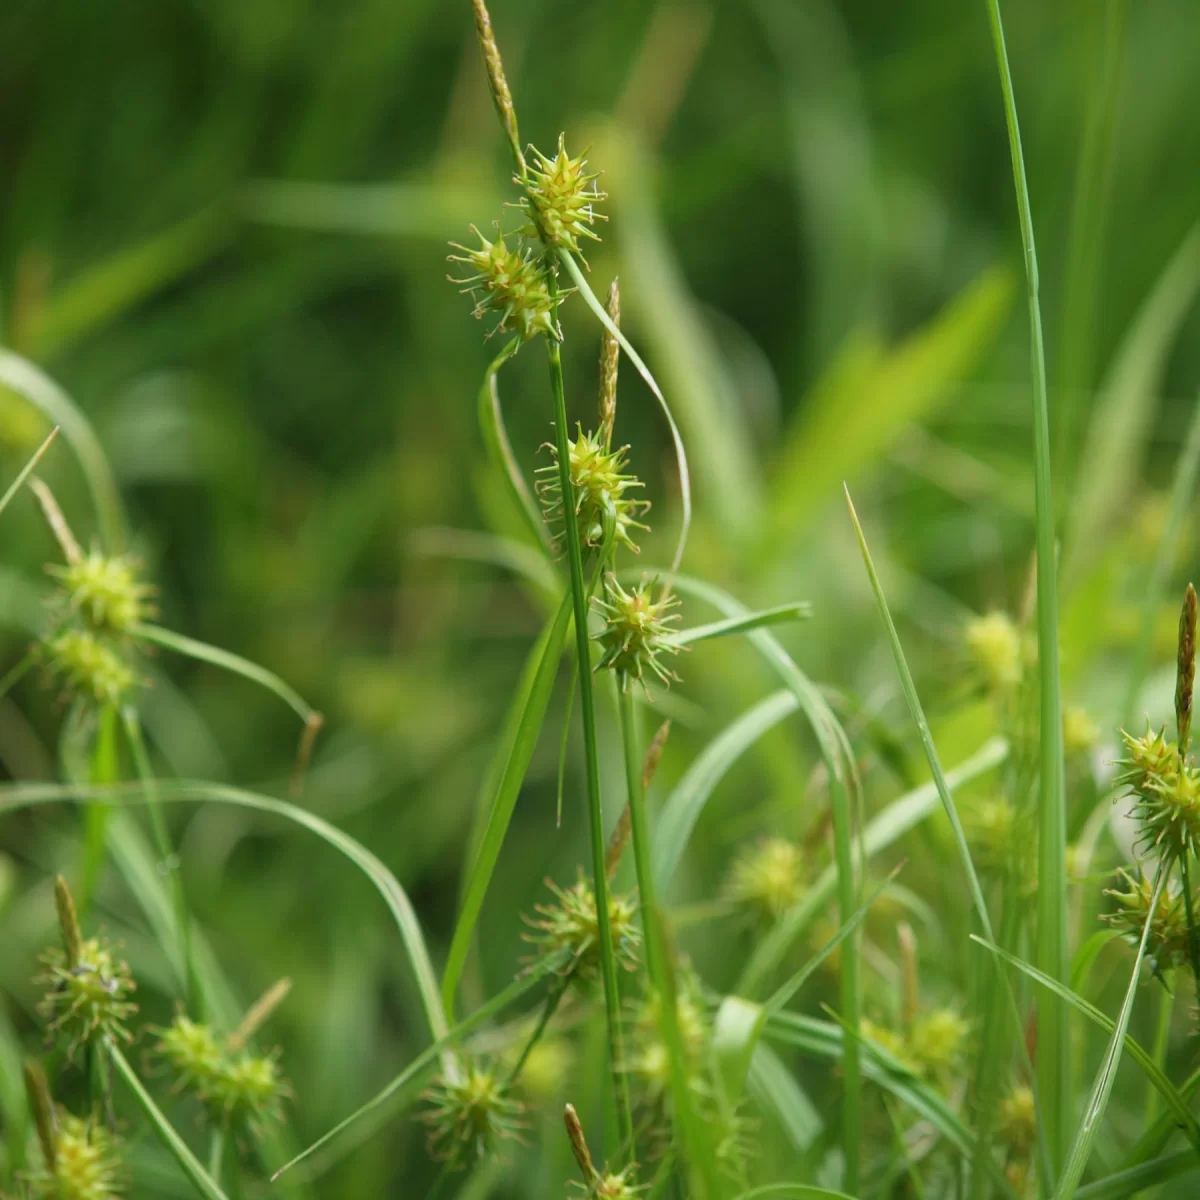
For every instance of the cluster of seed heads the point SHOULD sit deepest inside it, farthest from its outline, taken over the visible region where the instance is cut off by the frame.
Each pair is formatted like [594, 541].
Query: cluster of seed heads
[572, 924]
[237, 1086]
[931, 1045]
[83, 1162]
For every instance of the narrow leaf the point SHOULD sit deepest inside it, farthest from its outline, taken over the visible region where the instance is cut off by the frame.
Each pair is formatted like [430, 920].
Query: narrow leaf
[27, 469]
[798, 611]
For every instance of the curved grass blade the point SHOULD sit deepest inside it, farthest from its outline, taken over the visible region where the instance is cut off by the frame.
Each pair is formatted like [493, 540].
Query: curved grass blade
[1174, 1098]
[234, 663]
[27, 469]
[843, 785]
[772, 1086]
[1133, 1180]
[886, 829]
[23, 795]
[45, 395]
[499, 449]
[521, 731]
[188, 1162]
[398, 1086]
[472, 545]
[792, 1191]
[685, 478]
[799, 611]
[1089, 1125]
[682, 809]
[1054, 1043]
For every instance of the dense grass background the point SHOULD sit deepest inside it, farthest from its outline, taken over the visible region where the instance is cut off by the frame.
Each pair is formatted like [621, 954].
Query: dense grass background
[222, 229]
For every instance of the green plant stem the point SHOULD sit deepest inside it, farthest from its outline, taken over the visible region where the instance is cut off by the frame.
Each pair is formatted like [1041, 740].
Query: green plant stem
[216, 1152]
[699, 1149]
[1054, 1048]
[1162, 1038]
[587, 709]
[169, 860]
[104, 770]
[558, 989]
[1193, 941]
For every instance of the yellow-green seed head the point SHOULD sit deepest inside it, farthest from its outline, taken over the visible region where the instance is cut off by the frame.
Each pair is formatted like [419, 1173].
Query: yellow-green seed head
[106, 591]
[1018, 1118]
[1148, 757]
[90, 666]
[192, 1051]
[1080, 732]
[87, 1164]
[637, 631]
[470, 1116]
[892, 1041]
[87, 999]
[937, 1040]
[649, 1060]
[572, 924]
[994, 644]
[599, 484]
[511, 283]
[1168, 811]
[1167, 944]
[991, 828]
[768, 878]
[564, 196]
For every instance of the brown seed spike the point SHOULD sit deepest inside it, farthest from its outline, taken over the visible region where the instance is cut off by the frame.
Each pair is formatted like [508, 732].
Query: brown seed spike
[497, 80]
[42, 1106]
[579, 1143]
[610, 356]
[1185, 676]
[68, 921]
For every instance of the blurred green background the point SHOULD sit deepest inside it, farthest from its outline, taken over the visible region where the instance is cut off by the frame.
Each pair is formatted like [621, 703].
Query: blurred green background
[222, 230]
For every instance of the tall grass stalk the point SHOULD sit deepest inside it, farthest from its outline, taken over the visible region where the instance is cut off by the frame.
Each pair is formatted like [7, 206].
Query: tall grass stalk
[587, 711]
[1054, 1047]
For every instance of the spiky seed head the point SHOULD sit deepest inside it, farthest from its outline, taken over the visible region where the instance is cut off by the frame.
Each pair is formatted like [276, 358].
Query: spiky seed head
[610, 1185]
[1167, 944]
[106, 591]
[239, 1088]
[87, 1164]
[89, 666]
[649, 1059]
[637, 630]
[471, 1115]
[1148, 757]
[1167, 810]
[994, 644]
[936, 1041]
[768, 878]
[1018, 1118]
[572, 924]
[511, 283]
[87, 999]
[563, 196]
[600, 486]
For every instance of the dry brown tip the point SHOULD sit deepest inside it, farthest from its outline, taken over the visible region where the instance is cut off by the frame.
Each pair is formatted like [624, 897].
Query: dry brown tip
[610, 357]
[1185, 674]
[497, 81]
[908, 952]
[579, 1144]
[57, 522]
[68, 921]
[42, 1107]
[312, 726]
[617, 843]
[259, 1013]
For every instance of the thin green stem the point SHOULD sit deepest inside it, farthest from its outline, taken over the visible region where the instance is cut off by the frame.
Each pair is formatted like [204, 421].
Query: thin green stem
[169, 860]
[1162, 1038]
[1193, 941]
[557, 990]
[587, 708]
[699, 1148]
[104, 770]
[216, 1152]
[1054, 1048]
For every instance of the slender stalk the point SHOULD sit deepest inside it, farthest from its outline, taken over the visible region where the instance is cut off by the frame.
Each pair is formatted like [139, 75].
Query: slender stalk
[166, 851]
[104, 770]
[553, 997]
[1054, 1049]
[587, 709]
[1162, 1038]
[700, 1150]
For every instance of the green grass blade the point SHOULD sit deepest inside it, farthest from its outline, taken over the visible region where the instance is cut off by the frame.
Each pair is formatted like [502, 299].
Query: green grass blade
[843, 783]
[472, 545]
[792, 1191]
[1183, 489]
[1175, 1100]
[227, 661]
[1089, 1125]
[799, 611]
[27, 470]
[515, 751]
[773, 1087]
[59, 409]
[885, 830]
[684, 805]
[681, 460]
[371, 1116]
[499, 449]
[201, 1180]
[1134, 1180]
[104, 769]
[1054, 1043]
